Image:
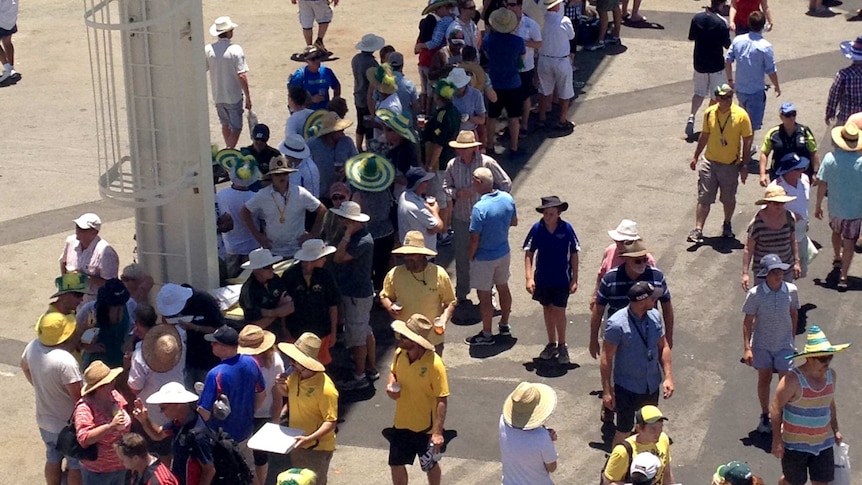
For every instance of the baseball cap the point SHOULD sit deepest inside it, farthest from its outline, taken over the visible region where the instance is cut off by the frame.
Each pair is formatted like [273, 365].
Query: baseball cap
[89, 221]
[224, 335]
[787, 108]
[644, 468]
[643, 290]
[396, 59]
[723, 90]
[649, 414]
[260, 132]
[735, 473]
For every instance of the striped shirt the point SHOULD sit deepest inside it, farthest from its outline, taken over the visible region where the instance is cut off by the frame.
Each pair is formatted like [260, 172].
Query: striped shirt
[615, 285]
[772, 241]
[88, 417]
[845, 95]
[459, 175]
[807, 421]
[773, 329]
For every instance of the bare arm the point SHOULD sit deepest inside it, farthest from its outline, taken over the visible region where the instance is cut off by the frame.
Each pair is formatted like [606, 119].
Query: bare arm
[774, 79]
[528, 271]
[667, 369]
[208, 472]
[606, 365]
[243, 82]
[595, 321]
[573, 264]
[318, 220]
[747, 329]
[248, 220]
[667, 314]
[822, 187]
[788, 390]
[701, 144]
[473, 245]
[728, 71]
[74, 390]
[746, 262]
[25, 368]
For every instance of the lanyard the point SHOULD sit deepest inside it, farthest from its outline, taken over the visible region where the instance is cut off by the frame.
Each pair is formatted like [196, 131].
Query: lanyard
[633, 323]
[726, 121]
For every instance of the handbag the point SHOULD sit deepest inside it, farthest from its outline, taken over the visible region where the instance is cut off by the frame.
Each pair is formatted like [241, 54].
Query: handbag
[67, 443]
[842, 464]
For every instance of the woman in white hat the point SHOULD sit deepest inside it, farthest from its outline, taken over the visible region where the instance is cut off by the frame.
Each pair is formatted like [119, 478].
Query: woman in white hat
[527, 448]
[771, 231]
[263, 297]
[625, 234]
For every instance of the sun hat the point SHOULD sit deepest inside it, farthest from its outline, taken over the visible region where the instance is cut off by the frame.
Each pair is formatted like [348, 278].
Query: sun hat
[816, 345]
[225, 335]
[552, 201]
[445, 89]
[435, 4]
[627, 230]
[846, 137]
[723, 90]
[397, 122]
[369, 172]
[852, 49]
[416, 328]
[417, 175]
[465, 139]
[503, 20]
[172, 299]
[312, 250]
[649, 414]
[735, 473]
[370, 43]
[350, 210]
[332, 123]
[55, 330]
[549, 4]
[643, 290]
[459, 77]
[529, 405]
[294, 146]
[313, 123]
[242, 167]
[113, 293]
[310, 53]
[296, 476]
[89, 221]
[97, 374]
[635, 250]
[162, 348]
[395, 59]
[260, 258]
[304, 351]
[787, 107]
[414, 243]
[644, 468]
[770, 262]
[791, 162]
[280, 164]
[172, 393]
[71, 283]
[775, 193]
[382, 78]
[254, 340]
[222, 25]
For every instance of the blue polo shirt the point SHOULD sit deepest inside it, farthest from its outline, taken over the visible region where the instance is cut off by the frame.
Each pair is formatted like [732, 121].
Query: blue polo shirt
[553, 253]
[319, 82]
[491, 218]
[615, 285]
[754, 59]
[634, 370]
[504, 53]
[842, 172]
[239, 378]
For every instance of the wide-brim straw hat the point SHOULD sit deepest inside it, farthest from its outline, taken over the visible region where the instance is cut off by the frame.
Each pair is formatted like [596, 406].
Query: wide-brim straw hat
[304, 351]
[369, 172]
[222, 25]
[477, 75]
[279, 164]
[162, 348]
[627, 230]
[635, 250]
[465, 139]
[775, 193]
[351, 210]
[97, 374]
[260, 258]
[370, 43]
[397, 122]
[529, 405]
[435, 4]
[254, 340]
[503, 20]
[816, 345]
[414, 243]
[552, 201]
[416, 328]
[847, 137]
[313, 123]
[332, 123]
[312, 250]
[382, 78]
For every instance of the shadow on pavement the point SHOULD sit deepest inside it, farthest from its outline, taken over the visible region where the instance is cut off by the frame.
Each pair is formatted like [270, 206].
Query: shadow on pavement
[802, 322]
[723, 245]
[644, 24]
[759, 440]
[501, 344]
[549, 368]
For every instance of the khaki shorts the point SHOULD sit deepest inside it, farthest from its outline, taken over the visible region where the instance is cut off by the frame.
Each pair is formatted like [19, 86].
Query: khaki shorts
[714, 176]
[706, 82]
[486, 274]
[556, 73]
[357, 313]
[606, 5]
[311, 10]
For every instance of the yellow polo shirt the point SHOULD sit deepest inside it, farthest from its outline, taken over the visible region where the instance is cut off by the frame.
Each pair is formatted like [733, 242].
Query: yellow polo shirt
[618, 463]
[312, 402]
[732, 126]
[422, 382]
[428, 293]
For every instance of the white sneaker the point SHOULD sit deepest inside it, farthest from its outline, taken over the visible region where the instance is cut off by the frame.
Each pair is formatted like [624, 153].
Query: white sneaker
[6, 75]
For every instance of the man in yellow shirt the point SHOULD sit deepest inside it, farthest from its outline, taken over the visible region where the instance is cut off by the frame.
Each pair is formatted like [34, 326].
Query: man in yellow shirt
[726, 129]
[649, 438]
[418, 384]
[418, 286]
[313, 404]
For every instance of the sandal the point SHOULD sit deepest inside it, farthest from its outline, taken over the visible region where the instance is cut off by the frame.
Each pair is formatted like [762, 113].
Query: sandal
[836, 263]
[566, 125]
[842, 284]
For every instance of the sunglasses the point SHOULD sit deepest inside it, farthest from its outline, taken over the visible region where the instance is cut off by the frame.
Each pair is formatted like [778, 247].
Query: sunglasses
[792, 114]
[639, 260]
[825, 359]
[338, 197]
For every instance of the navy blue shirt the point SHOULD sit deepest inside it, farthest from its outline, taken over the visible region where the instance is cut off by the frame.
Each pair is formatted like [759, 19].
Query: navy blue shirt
[239, 378]
[505, 53]
[615, 285]
[191, 446]
[354, 276]
[637, 364]
[552, 263]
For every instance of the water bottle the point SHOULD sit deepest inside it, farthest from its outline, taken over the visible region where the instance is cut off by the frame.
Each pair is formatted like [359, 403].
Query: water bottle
[429, 458]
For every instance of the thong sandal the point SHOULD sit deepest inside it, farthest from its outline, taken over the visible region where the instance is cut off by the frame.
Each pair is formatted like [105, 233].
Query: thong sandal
[842, 284]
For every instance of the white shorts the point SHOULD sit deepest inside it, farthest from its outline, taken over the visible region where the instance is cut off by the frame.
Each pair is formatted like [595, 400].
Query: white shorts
[311, 10]
[357, 314]
[486, 274]
[705, 83]
[555, 73]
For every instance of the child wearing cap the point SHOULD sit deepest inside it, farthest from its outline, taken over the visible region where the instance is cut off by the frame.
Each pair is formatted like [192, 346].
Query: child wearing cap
[649, 437]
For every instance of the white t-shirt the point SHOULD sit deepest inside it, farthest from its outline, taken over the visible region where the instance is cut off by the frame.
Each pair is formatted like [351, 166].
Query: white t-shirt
[802, 192]
[414, 216]
[529, 30]
[308, 176]
[146, 381]
[238, 240]
[524, 455]
[224, 62]
[556, 35]
[52, 369]
[269, 373]
[8, 14]
[269, 205]
[296, 122]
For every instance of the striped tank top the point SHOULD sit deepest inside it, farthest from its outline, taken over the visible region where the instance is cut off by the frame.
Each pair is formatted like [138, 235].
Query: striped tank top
[807, 421]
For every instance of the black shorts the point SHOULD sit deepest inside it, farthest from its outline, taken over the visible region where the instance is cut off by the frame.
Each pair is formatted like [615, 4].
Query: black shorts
[528, 87]
[7, 33]
[798, 466]
[261, 458]
[405, 445]
[627, 403]
[363, 125]
[557, 296]
[510, 99]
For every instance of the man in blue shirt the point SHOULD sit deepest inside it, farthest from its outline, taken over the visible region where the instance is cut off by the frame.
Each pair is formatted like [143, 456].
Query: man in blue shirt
[556, 275]
[755, 60]
[636, 350]
[490, 221]
[505, 51]
[316, 78]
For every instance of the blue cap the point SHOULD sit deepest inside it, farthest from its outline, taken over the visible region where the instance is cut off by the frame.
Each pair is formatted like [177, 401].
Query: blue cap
[417, 175]
[791, 162]
[787, 108]
[769, 263]
[260, 132]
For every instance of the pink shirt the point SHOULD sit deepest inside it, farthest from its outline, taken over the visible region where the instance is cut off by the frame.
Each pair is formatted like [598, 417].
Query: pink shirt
[88, 417]
[99, 259]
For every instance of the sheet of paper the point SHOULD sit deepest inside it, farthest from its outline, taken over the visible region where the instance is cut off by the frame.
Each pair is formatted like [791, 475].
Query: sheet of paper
[274, 439]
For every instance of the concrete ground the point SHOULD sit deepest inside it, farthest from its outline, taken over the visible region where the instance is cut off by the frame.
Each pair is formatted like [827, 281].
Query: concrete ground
[626, 158]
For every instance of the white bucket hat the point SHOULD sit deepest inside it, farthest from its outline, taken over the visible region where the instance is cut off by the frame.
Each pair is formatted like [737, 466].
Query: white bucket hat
[172, 393]
[458, 76]
[222, 25]
[627, 230]
[172, 298]
[294, 146]
[370, 43]
[351, 210]
[312, 250]
[260, 258]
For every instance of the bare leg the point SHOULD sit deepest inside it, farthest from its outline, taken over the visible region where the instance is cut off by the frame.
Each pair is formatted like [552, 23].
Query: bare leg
[525, 116]
[728, 210]
[399, 475]
[550, 324]
[321, 30]
[514, 128]
[505, 303]
[603, 25]
[53, 473]
[434, 475]
[564, 110]
[618, 20]
[73, 477]
[371, 353]
[8, 50]
[260, 474]
[558, 321]
[486, 308]
[764, 379]
[836, 246]
[625, 7]
[696, 103]
[306, 34]
[233, 139]
[544, 107]
[700, 215]
[491, 133]
[847, 256]
[360, 353]
[636, 7]
[226, 134]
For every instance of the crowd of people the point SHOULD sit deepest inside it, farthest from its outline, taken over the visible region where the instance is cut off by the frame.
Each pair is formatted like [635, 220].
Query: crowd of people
[322, 229]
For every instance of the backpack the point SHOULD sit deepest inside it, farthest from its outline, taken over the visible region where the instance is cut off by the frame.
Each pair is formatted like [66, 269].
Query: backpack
[230, 465]
[627, 479]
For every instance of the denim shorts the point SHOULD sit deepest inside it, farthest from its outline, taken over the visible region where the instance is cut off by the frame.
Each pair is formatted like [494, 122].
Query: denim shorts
[765, 359]
[52, 454]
